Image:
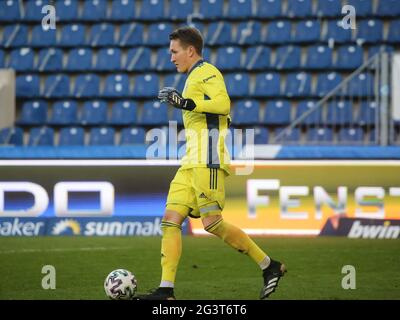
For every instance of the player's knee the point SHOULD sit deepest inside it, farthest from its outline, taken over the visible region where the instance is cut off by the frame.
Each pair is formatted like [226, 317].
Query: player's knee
[211, 222]
[173, 216]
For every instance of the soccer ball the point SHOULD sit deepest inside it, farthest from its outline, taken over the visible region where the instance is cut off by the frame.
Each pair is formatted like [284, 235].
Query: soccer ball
[120, 284]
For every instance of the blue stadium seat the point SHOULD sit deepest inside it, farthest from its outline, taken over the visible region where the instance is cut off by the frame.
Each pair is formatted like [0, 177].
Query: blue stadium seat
[159, 34]
[138, 59]
[86, 85]
[146, 85]
[298, 85]
[22, 59]
[372, 137]
[154, 113]
[369, 31]
[15, 36]
[117, 85]
[163, 60]
[336, 33]
[351, 136]
[50, 60]
[248, 33]
[196, 24]
[339, 113]
[33, 113]
[394, 31]
[261, 135]
[152, 10]
[319, 135]
[388, 8]
[211, 9]
[278, 32]
[79, 59]
[73, 35]
[108, 59]
[67, 10]
[349, 57]
[299, 8]
[315, 117]
[362, 85]
[33, 10]
[363, 7]
[123, 113]
[307, 31]
[207, 54]
[329, 8]
[368, 113]
[12, 136]
[288, 57]
[102, 136]
[132, 135]
[277, 112]
[43, 38]
[10, 10]
[239, 9]
[246, 112]
[258, 58]
[373, 50]
[267, 85]
[122, 10]
[102, 35]
[180, 9]
[72, 136]
[177, 116]
[57, 86]
[319, 57]
[237, 84]
[176, 80]
[2, 59]
[228, 58]
[327, 82]
[291, 137]
[28, 86]
[219, 33]
[64, 113]
[131, 34]
[94, 10]
[41, 136]
[94, 113]
[269, 9]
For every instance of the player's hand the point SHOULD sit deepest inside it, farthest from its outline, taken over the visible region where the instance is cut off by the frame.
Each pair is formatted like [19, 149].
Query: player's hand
[174, 98]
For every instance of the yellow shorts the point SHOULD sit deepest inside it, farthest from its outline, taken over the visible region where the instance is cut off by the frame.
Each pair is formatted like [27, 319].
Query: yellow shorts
[197, 192]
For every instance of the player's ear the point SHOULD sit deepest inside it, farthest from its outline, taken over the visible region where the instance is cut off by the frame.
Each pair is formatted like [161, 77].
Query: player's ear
[192, 51]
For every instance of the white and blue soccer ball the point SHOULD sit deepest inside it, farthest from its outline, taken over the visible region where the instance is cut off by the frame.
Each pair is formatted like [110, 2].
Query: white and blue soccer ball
[120, 284]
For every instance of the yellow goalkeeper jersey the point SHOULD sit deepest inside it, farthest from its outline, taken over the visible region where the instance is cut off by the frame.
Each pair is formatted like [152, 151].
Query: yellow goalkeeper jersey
[206, 126]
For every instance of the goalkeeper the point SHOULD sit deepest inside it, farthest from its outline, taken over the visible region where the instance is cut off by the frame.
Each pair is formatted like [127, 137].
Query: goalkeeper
[197, 189]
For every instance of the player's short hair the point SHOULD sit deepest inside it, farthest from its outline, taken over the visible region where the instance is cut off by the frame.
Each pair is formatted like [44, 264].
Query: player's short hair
[189, 36]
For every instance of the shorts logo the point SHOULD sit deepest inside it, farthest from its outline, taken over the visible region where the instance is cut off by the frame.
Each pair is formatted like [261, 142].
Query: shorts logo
[203, 196]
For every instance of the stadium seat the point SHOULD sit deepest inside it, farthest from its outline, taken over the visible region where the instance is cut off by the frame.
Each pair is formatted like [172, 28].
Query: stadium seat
[299, 8]
[248, 33]
[163, 60]
[102, 136]
[79, 59]
[319, 57]
[176, 80]
[363, 8]
[177, 116]
[327, 82]
[108, 59]
[64, 113]
[246, 112]
[72, 35]
[42, 37]
[368, 114]
[10, 10]
[180, 9]
[329, 8]
[258, 58]
[362, 85]
[41, 136]
[131, 34]
[339, 113]
[67, 10]
[158, 34]
[239, 9]
[237, 84]
[290, 137]
[196, 24]
[154, 113]
[15, 36]
[261, 135]
[267, 85]
[12, 136]
[307, 31]
[336, 33]
[269, 9]
[132, 135]
[86, 86]
[278, 32]
[394, 32]
[102, 35]
[33, 113]
[57, 86]
[219, 33]
[123, 113]
[50, 60]
[122, 10]
[22, 59]
[314, 117]
[349, 57]
[319, 135]
[94, 10]
[277, 112]
[388, 8]
[2, 59]
[94, 113]
[33, 10]
[117, 85]
[152, 10]
[298, 85]
[288, 57]
[211, 9]
[350, 136]
[72, 136]
[28, 86]
[369, 31]
[146, 85]
[373, 50]
[138, 59]
[228, 58]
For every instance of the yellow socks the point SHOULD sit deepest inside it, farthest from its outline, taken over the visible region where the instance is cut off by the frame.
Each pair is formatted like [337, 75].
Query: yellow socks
[171, 248]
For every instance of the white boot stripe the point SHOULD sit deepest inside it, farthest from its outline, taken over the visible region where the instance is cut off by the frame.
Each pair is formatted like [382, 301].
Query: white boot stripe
[273, 284]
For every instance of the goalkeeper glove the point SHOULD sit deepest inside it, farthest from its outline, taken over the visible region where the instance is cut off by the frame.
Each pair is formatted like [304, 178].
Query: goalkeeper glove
[174, 98]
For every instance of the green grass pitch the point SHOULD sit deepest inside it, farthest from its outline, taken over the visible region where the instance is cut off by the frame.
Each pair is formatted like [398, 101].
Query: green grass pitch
[209, 269]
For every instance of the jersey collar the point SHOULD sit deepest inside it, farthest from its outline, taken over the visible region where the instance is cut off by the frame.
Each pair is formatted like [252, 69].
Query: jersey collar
[198, 63]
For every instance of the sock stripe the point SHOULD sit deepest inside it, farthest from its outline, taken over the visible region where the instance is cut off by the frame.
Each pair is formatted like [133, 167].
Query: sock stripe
[214, 224]
[170, 224]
